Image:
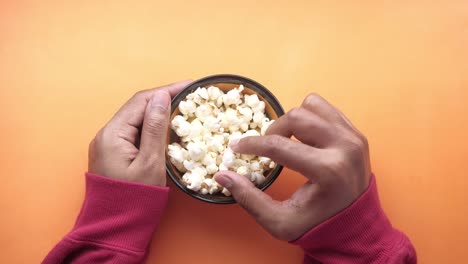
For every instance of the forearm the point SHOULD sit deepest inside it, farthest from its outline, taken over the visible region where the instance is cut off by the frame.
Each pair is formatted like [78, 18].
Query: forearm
[361, 233]
[115, 225]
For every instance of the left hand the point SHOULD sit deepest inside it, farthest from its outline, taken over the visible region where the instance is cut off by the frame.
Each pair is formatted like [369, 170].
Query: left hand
[131, 146]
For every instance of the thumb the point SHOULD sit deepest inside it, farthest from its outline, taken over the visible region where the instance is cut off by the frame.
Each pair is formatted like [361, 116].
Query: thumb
[155, 125]
[266, 211]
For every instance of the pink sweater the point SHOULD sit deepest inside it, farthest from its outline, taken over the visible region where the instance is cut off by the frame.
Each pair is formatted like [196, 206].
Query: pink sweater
[118, 219]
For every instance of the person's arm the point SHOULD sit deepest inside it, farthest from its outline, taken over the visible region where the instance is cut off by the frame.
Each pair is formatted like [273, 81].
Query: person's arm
[115, 224]
[125, 185]
[360, 233]
[336, 215]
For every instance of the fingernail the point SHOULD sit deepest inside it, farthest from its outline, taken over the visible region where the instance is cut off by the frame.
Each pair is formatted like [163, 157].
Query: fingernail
[160, 101]
[224, 181]
[233, 143]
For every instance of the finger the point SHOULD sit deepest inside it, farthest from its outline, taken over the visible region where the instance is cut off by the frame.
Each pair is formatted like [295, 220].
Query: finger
[155, 126]
[133, 111]
[318, 105]
[292, 154]
[259, 205]
[305, 125]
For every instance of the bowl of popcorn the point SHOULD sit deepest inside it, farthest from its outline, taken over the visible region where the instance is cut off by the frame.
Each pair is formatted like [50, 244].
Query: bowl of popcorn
[205, 117]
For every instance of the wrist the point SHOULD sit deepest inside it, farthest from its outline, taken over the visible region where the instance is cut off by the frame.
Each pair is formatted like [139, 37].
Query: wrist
[118, 212]
[360, 231]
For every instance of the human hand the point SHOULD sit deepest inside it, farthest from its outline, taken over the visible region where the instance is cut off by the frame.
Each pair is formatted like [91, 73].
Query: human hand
[331, 153]
[131, 146]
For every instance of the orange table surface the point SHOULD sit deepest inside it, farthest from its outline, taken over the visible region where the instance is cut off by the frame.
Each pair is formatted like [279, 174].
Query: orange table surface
[398, 69]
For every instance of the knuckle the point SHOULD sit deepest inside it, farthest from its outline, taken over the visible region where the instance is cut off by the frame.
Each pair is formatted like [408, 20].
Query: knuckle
[140, 94]
[358, 144]
[338, 163]
[295, 114]
[101, 136]
[313, 100]
[364, 141]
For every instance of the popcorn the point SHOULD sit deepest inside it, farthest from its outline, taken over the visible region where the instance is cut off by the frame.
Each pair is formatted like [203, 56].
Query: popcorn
[196, 150]
[252, 100]
[214, 93]
[181, 126]
[187, 107]
[243, 170]
[203, 111]
[210, 119]
[260, 107]
[257, 177]
[226, 192]
[195, 178]
[233, 96]
[258, 117]
[265, 126]
[228, 158]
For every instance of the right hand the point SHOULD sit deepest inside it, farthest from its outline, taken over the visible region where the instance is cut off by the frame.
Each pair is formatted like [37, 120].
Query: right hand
[331, 154]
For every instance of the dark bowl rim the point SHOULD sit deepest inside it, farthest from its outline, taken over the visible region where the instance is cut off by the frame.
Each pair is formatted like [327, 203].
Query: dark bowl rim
[226, 78]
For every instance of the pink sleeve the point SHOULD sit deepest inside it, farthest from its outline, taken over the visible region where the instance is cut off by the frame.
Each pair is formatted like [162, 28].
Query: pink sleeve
[361, 233]
[115, 225]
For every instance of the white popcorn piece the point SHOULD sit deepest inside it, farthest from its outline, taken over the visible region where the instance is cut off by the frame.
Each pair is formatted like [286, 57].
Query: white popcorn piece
[211, 123]
[260, 107]
[247, 156]
[196, 129]
[226, 192]
[272, 165]
[181, 126]
[203, 93]
[244, 126]
[203, 111]
[252, 100]
[258, 117]
[219, 101]
[209, 120]
[223, 167]
[194, 178]
[215, 143]
[232, 97]
[179, 165]
[191, 164]
[209, 159]
[229, 158]
[265, 126]
[176, 152]
[251, 133]
[212, 169]
[257, 177]
[213, 186]
[239, 163]
[234, 135]
[243, 170]
[187, 107]
[246, 113]
[214, 93]
[196, 150]
[255, 166]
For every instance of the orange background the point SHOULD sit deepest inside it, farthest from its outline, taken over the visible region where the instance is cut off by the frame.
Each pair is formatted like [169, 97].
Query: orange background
[398, 69]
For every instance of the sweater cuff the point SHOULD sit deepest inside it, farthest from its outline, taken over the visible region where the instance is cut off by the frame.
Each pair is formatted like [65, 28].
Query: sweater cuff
[119, 213]
[361, 233]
